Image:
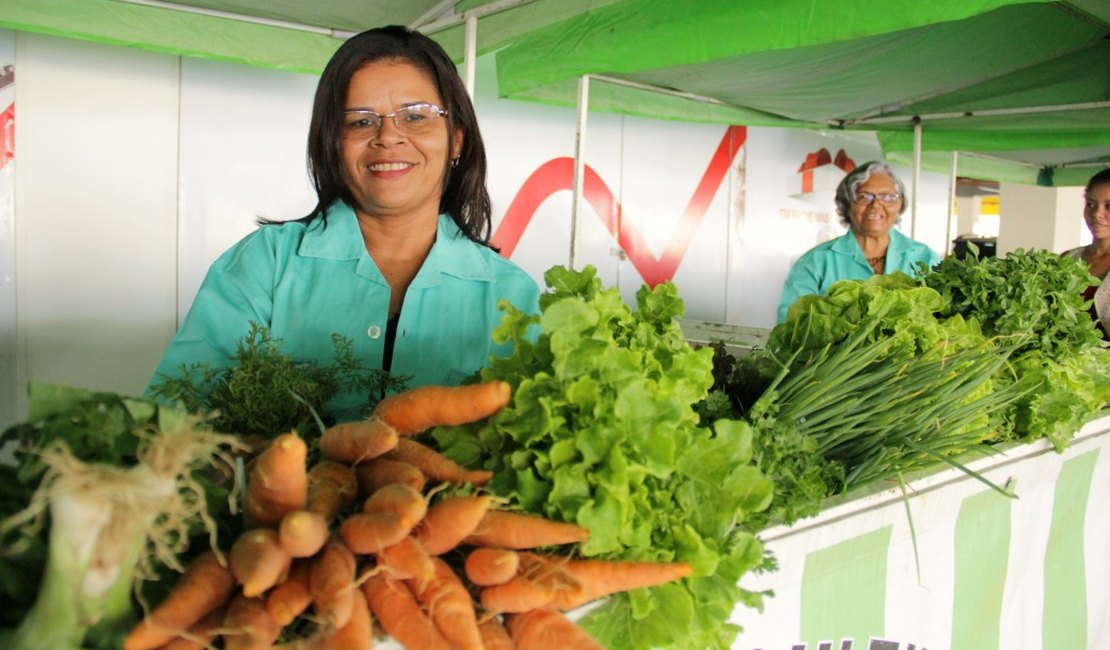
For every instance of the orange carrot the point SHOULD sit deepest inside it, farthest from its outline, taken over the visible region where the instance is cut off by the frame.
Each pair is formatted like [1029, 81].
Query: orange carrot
[204, 587]
[514, 530]
[600, 578]
[371, 532]
[422, 408]
[201, 634]
[450, 520]
[258, 561]
[292, 597]
[407, 560]
[494, 634]
[331, 487]
[435, 465]
[377, 472]
[247, 626]
[401, 500]
[357, 634]
[540, 582]
[354, 442]
[331, 579]
[302, 533]
[547, 629]
[491, 566]
[450, 607]
[520, 594]
[400, 615]
[278, 481]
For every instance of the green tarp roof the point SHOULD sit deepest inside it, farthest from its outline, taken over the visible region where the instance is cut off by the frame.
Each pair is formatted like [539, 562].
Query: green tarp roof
[1014, 85]
[1021, 88]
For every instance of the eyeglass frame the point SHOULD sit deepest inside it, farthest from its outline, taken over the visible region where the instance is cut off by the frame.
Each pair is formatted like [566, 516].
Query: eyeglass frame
[861, 197]
[441, 112]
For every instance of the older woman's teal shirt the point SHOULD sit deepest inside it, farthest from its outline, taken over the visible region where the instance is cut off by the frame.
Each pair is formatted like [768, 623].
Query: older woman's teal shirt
[308, 282]
[842, 259]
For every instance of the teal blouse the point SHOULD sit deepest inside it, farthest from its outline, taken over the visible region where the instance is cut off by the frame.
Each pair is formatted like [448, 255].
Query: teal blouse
[842, 259]
[308, 282]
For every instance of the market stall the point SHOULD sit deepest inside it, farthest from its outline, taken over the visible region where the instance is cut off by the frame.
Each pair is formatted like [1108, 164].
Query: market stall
[976, 570]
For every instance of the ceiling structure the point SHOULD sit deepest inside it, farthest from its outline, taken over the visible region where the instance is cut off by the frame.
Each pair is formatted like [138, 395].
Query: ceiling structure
[1018, 89]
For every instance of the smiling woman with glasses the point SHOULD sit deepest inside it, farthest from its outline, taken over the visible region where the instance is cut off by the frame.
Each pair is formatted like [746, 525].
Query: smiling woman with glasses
[395, 255]
[870, 201]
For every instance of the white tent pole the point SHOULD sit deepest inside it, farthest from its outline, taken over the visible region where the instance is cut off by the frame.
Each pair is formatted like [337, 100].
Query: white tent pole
[579, 162]
[916, 175]
[952, 177]
[471, 55]
[1019, 110]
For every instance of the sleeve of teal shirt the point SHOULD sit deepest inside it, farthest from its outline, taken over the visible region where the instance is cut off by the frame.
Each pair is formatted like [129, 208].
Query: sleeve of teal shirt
[802, 280]
[236, 291]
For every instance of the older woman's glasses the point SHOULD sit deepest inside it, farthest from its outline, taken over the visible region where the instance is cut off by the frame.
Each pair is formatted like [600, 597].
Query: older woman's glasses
[410, 120]
[886, 198]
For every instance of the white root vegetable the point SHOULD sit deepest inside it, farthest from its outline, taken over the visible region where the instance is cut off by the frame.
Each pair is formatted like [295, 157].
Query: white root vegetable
[107, 527]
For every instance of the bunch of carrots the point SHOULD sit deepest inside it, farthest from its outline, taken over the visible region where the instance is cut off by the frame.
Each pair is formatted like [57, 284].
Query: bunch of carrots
[363, 543]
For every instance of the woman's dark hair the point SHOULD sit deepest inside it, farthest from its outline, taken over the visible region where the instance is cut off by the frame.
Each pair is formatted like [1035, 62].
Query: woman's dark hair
[465, 196]
[1101, 178]
[846, 191]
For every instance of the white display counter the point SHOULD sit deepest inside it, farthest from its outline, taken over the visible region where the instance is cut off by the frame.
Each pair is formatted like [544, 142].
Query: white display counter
[988, 572]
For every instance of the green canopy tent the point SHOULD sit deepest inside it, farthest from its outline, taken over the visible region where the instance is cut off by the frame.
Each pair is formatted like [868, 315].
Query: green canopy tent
[1020, 88]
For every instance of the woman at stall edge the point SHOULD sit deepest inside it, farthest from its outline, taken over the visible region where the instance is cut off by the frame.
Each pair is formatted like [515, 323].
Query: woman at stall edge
[395, 255]
[870, 201]
[1096, 255]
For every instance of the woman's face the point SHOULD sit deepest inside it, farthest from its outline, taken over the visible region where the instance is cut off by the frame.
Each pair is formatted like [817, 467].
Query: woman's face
[872, 215]
[390, 172]
[1096, 211]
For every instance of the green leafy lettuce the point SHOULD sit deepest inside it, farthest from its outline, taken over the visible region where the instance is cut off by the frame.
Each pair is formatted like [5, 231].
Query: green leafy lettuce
[602, 431]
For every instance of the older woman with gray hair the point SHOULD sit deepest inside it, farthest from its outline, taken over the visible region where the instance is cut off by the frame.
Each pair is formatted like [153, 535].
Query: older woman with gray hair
[870, 201]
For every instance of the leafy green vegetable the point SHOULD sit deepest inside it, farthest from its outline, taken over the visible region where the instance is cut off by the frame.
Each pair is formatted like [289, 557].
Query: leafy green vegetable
[265, 391]
[602, 431]
[867, 384]
[1034, 296]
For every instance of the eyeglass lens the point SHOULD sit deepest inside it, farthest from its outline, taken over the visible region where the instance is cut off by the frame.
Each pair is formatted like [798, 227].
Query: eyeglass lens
[886, 198]
[411, 120]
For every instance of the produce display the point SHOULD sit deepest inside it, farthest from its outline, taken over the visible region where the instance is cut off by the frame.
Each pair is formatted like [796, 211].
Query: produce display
[604, 486]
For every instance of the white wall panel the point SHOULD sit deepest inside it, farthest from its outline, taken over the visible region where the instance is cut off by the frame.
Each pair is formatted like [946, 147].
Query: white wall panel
[9, 359]
[243, 144]
[95, 211]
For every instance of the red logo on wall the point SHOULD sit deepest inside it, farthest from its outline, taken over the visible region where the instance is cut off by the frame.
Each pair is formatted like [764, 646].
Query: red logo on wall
[557, 175]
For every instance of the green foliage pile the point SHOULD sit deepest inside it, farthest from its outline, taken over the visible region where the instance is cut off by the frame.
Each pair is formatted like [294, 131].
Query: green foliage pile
[264, 391]
[867, 384]
[602, 431]
[1035, 299]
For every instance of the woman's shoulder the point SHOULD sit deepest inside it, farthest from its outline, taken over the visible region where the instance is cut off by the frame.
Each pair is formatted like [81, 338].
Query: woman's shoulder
[268, 240]
[1075, 253]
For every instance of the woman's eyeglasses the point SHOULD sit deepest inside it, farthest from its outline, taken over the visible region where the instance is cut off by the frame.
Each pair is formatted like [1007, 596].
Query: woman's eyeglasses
[410, 120]
[886, 198]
